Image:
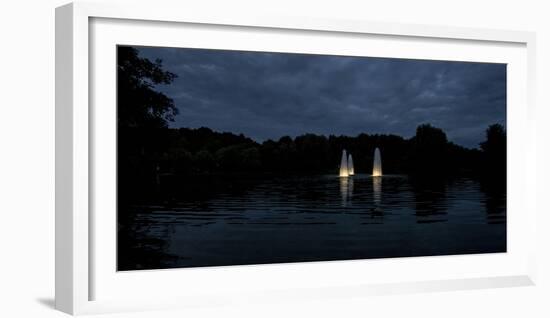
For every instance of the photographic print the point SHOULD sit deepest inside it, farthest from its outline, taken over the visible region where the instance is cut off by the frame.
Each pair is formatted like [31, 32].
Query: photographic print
[231, 157]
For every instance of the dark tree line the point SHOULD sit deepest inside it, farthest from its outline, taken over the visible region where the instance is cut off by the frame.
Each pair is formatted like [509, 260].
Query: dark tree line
[203, 151]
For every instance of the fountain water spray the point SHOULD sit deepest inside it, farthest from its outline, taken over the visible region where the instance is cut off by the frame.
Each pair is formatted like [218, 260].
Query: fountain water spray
[344, 172]
[377, 166]
[351, 171]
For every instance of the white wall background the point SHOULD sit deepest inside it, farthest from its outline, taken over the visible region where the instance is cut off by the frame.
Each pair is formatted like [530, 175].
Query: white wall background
[27, 158]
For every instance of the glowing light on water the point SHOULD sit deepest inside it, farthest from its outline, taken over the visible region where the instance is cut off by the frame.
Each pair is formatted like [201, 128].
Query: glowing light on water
[346, 190]
[351, 171]
[377, 166]
[377, 190]
[344, 172]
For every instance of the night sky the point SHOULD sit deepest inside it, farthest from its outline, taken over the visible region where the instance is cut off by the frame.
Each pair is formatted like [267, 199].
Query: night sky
[270, 95]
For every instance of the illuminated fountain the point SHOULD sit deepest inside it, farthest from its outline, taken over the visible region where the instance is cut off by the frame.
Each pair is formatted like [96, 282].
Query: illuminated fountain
[344, 171]
[377, 183]
[351, 172]
[377, 166]
[346, 184]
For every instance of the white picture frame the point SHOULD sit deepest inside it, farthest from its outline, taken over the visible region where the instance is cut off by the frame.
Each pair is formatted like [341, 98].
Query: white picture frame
[84, 284]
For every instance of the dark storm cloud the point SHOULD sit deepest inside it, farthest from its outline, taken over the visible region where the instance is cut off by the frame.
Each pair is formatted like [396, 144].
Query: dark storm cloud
[269, 95]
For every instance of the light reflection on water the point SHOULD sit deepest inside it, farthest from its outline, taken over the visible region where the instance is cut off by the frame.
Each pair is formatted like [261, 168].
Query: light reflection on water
[346, 190]
[314, 218]
[377, 190]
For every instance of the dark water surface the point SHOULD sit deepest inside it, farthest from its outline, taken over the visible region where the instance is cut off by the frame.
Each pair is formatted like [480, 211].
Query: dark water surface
[224, 221]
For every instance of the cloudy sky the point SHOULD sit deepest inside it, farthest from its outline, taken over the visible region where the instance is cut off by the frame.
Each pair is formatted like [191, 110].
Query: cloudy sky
[269, 95]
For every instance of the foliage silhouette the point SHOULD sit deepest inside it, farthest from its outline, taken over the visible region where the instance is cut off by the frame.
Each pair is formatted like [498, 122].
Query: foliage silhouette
[494, 151]
[204, 151]
[138, 103]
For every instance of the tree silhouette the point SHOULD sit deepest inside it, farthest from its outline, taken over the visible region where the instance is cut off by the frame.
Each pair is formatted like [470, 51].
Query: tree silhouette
[494, 151]
[429, 150]
[496, 140]
[143, 114]
[139, 104]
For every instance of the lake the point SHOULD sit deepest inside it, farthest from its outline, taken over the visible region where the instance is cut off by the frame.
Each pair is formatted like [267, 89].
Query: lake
[214, 221]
